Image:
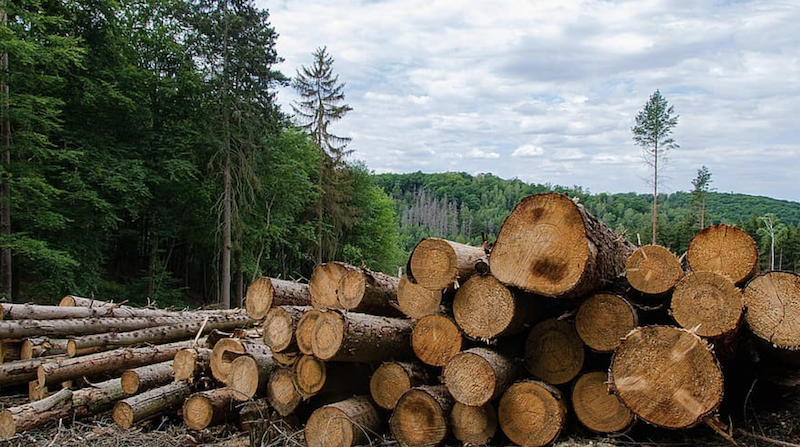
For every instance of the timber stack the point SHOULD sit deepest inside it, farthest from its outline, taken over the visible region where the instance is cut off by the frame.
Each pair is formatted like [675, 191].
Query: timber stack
[560, 318]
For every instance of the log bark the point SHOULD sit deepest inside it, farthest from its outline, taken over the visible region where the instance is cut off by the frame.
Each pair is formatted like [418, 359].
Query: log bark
[10, 351]
[145, 377]
[773, 311]
[209, 408]
[77, 301]
[603, 320]
[554, 352]
[667, 376]
[709, 304]
[343, 424]
[596, 408]
[304, 332]
[531, 413]
[324, 282]
[310, 375]
[36, 392]
[82, 326]
[265, 293]
[473, 425]
[282, 393]
[220, 360]
[439, 264]
[150, 403]
[436, 339]
[190, 363]
[416, 301]
[369, 292]
[392, 379]
[726, 250]
[486, 309]
[280, 325]
[38, 312]
[41, 347]
[421, 415]
[653, 270]
[249, 375]
[27, 416]
[551, 246]
[353, 337]
[23, 371]
[117, 359]
[479, 375]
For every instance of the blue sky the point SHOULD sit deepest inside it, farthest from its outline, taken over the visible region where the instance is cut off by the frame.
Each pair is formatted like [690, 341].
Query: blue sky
[548, 91]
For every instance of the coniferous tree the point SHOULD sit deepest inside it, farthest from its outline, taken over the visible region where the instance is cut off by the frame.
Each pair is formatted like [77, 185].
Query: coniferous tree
[702, 184]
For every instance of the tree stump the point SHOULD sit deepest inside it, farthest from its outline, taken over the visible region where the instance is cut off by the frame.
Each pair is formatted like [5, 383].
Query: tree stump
[596, 408]
[653, 270]
[437, 264]
[354, 337]
[603, 320]
[726, 250]
[368, 292]
[392, 379]
[264, 293]
[486, 309]
[554, 352]
[531, 413]
[436, 339]
[773, 309]
[473, 425]
[421, 415]
[708, 304]
[478, 375]
[343, 424]
[416, 301]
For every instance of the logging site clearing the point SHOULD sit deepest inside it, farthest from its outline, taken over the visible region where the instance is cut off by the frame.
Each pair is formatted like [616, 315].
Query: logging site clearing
[559, 332]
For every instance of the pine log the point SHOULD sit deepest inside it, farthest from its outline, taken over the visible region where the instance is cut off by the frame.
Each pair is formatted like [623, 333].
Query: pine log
[531, 413]
[667, 376]
[77, 301]
[190, 363]
[145, 377]
[773, 309]
[23, 371]
[416, 301]
[438, 264]
[309, 375]
[603, 320]
[324, 282]
[27, 416]
[369, 292]
[208, 408]
[653, 270]
[473, 425]
[304, 332]
[551, 246]
[726, 250]
[265, 293]
[219, 361]
[392, 379]
[41, 347]
[97, 398]
[354, 337]
[282, 393]
[280, 325]
[343, 424]
[117, 359]
[38, 312]
[554, 352]
[486, 309]
[421, 415]
[709, 304]
[286, 358]
[10, 351]
[596, 408]
[436, 339]
[36, 392]
[150, 403]
[479, 375]
[249, 374]
[82, 326]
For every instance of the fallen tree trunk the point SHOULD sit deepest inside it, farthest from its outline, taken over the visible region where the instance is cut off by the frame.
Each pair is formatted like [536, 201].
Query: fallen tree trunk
[143, 378]
[435, 339]
[368, 292]
[416, 301]
[486, 309]
[653, 270]
[190, 363]
[709, 305]
[554, 352]
[249, 375]
[726, 250]
[354, 337]
[343, 424]
[265, 293]
[773, 309]
[551, 246]
[596, 408]
[208, 408]
[479, 375]
[437, 264]
[150, 403]
[421, 415]
[392, 379]
[532, 413]
[473, 425]
[82, 326]
[603, 320]
[41, 347]
[279, 327]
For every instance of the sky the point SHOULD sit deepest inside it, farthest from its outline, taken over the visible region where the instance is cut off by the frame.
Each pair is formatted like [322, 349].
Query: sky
[547, 91]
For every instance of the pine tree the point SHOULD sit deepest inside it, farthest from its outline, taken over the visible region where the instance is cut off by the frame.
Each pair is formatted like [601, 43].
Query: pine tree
[702, 184]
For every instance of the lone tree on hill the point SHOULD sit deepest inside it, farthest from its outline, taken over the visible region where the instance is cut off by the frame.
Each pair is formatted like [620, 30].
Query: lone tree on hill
[652, 131]
[702, 184]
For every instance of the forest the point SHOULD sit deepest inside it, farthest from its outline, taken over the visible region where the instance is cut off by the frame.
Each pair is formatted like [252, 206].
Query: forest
[144, 158]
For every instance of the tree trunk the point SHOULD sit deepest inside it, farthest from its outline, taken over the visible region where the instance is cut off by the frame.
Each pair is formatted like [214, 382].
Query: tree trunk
[343, 424]
[150, 403]
[304, 332]
[420, 417]
[653, 270]
[208, 408]
[726, 250]
[554, 352]
[439, 264]
[5, 180]
[82, 326]
[532, 413]
[220, 361]
[282, 394]
[603, 320]
[353, 337]
[596, 408]
[486, 309]
[265, 293]
[772, 309]
[145, 377]
[479, 375]
[27, 416]
[551, 246]
[279, 327]
[324, 282]
[667, 376]
[227, 223]
[709, 305]
[23, 371]
[436, 339]
[249, 375]
[38, 312]
[97, 398]
[392, 379]
[368, 292]
[41, 347]
[77, 301]
[473, 425]
[416, 301]
[190, 363]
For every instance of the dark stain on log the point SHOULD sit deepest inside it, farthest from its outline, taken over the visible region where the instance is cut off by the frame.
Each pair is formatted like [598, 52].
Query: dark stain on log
[553, 271]
[536, 214]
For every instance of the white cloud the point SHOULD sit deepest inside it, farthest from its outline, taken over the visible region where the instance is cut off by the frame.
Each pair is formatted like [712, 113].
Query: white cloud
[480, 154]
[527, 151]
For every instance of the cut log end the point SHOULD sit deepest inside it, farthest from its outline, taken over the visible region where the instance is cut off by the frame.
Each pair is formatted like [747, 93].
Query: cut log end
[554, 352]
[8, 427]
[416, 301]
[603, 320]
[343, 424]
[323, 284]
[388, 383]
[282, 393]
[243, 378]
[130, 382]
[653, 270]
[352, 286]
[328, 335]
[473, 425]
[433, 264]
[309, 375]
[773, 309]
[726, 250]
[198, 412]
[123, 415]
[531, 414]
[596, 408]
[278, 329]
[707, 303]
[258, 298]
[483, 307]
[304, 333]
[436, 339]
[420, 419]
[219, 366]
[470, 378]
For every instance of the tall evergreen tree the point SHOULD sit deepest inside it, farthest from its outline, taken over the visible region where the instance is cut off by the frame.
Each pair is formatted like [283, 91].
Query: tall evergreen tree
[702, 184]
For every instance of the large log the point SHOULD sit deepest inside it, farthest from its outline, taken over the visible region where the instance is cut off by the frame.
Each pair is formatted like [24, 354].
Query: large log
[38, 312]
[653, 270]
[27, 416]
[603, 320]
[421, 415]
[436, 339]
[554, 352]
[343, 424]
[208, 408]
[531, 413]
[354, 337]
[667, 376]
[392, 379]
[280, 325]
[309, 375]
[82, 326]
[78, 301]
[265, 293]
[473, 425]
[324, 282]
[23, 371]
[438, 264]
[551, 246]
[146, 377]
[41, 347]
[479, 375]
[726, 250]
[249, 375]
[304, 331]
[416, 301]
[365, 291]
[220, 360]
[190, 363]
[150, 403]
[282, 393]
[773, 309]
[485, 309]
[709, 304]
[596, 408]
[72, 368]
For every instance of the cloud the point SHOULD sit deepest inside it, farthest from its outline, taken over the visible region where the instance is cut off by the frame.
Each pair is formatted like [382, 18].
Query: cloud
[527, 151]
[479, 154]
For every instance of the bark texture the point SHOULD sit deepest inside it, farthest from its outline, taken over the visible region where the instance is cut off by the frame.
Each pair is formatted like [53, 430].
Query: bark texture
[150, 403]
[265, 293]
[354, 337]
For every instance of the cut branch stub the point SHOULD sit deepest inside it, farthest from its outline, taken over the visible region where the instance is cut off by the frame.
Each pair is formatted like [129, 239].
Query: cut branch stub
[603, 320]
[437, 264]
[416, 301]
[436, 339]
[726, 250]
[473, 425]
[554, 352]
[653, 270]
[484, 309]
[264, 293]
[773, 309]
[343, 424]
[667, 376]
[708, 304]
[596, 408]
[478, 375]
[531, 413]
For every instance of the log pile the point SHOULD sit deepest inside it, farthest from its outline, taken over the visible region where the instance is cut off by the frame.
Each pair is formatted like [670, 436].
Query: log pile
[559, 319]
